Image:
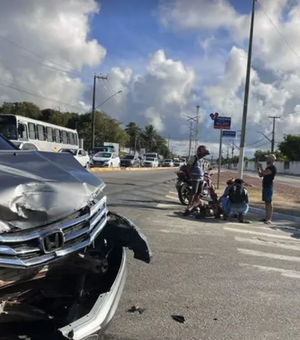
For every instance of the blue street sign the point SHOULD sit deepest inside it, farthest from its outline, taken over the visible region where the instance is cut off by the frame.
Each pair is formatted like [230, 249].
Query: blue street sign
[231, 134]
[222, 123]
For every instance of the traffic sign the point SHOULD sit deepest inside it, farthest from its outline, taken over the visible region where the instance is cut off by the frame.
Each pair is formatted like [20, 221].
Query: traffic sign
[222, 123]
[231, 134]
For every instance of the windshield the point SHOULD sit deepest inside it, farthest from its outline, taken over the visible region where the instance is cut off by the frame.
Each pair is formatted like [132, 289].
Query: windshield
[103, 154]
[168, 160]
[8, 127]
[72, 151]
[100, 149]
[129, 157]
[150, 159]
[151, 155]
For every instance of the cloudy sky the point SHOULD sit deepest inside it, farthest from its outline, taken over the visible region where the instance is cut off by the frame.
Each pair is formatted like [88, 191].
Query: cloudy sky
[167, 56]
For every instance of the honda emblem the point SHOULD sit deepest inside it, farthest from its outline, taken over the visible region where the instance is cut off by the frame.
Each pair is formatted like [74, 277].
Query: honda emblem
[52, 241]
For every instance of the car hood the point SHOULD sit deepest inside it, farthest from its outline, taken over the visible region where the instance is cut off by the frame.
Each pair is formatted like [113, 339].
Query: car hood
[38, 188]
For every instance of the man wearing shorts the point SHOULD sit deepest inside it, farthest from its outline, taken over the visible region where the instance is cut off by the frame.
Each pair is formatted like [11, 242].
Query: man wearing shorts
[196, 171]
[268, 176]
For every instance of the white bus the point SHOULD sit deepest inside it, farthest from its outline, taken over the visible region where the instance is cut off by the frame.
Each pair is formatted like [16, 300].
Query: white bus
[45, 136]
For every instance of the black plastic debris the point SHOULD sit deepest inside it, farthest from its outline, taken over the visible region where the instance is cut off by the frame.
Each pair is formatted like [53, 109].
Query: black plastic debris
[178, 318]
[134, 309]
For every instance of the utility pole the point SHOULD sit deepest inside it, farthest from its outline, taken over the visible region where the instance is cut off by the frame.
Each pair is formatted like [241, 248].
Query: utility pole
[197, 129]
[191, 129]
[169, 141]
[94, 105]
[273, 132]
[246, 96]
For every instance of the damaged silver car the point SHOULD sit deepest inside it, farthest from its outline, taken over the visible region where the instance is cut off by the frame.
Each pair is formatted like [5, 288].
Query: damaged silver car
[62, 252]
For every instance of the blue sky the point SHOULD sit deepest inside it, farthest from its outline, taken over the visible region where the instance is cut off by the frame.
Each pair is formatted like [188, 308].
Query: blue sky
[130, 31]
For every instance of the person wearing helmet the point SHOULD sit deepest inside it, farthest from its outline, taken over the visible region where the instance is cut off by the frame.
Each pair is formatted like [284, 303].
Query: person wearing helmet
[196, 171]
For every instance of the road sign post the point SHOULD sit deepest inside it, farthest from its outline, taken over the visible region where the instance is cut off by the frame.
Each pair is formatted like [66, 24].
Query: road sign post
[221, 123]
[220, 159]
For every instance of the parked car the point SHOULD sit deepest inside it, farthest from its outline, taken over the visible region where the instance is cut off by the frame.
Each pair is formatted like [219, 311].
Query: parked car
[62, 257]
[81, 155]
[105, 159]
[151, 163]
[26, 146]
[168, 163]
[130, 161]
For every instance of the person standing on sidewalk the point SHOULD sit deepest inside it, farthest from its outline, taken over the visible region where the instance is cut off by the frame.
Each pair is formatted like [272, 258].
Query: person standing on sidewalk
[268, 175]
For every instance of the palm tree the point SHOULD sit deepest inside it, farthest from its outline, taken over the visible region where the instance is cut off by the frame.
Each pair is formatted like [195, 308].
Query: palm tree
[134, 131]
[150, 136]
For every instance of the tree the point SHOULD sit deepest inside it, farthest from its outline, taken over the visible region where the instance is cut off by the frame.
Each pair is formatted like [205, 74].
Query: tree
[134, 132]
[261, 156]
[149, 136]
[25, 109]
[290, 147]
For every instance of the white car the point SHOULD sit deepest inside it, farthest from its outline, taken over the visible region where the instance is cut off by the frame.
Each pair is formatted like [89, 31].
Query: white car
[168, 163]
[80, 154]
[151, 162]
[26, 146]
[106, 159]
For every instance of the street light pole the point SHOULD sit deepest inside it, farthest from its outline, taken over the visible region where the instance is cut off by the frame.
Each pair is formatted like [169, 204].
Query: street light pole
[93, 106]
[246, 97]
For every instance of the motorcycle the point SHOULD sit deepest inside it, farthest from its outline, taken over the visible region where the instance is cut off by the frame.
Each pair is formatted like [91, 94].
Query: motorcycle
[184, 186]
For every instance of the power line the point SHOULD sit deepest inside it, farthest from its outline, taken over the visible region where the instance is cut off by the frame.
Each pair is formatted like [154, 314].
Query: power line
[275, 27]
[12, 86]
[37, 55]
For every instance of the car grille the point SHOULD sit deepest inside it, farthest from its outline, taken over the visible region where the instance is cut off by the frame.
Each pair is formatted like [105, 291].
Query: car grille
[99, 163]
[29, 248]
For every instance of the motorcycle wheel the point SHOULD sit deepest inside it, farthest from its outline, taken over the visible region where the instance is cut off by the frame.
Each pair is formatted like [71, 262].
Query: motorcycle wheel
[184, 193]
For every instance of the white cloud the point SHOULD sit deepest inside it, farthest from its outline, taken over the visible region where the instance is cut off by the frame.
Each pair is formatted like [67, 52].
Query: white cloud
[58, 32]
[194, 14]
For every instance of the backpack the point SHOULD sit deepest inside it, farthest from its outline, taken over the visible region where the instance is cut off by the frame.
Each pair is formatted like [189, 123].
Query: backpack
[237, 194]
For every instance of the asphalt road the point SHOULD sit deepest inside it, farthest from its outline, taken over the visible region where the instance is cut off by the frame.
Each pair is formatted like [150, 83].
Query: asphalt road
[229, 281]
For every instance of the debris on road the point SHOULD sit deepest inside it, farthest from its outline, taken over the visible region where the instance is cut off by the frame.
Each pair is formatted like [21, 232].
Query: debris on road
[178, 318]
[134, 309]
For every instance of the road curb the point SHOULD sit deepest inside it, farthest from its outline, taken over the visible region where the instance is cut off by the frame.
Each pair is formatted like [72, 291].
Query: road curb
[130, 169]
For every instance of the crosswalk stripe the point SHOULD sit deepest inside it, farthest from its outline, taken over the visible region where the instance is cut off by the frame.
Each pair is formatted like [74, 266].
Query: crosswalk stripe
[173, 192]
[267, 243]
[269, 255]
[283, 272]
[163, 205]
[173, 198]
[250, 232]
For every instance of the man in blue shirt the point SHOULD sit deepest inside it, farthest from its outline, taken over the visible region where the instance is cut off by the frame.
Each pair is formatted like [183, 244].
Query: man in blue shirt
[196, 171]
[268, 175]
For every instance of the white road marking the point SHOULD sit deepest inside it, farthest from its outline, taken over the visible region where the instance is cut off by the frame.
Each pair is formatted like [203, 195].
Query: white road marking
[250, 232]
[267, 243]
[184, 232]
[162, 205]
[269, 255]
[284, 272]
[172, 197]
[173, 192]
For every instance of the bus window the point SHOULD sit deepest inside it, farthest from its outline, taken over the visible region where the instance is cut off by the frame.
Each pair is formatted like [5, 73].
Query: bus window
[64, 137]
[31, 128]
[57, 136]
[41, 135]
[49, 134]
[70, 138]
[75, 139]
[22, 131]
[8, 127]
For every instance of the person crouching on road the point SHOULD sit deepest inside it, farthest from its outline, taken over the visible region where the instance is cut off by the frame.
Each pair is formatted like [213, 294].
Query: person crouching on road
[268, 175]
[224, 198]
[196, 170]
[237, 202]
